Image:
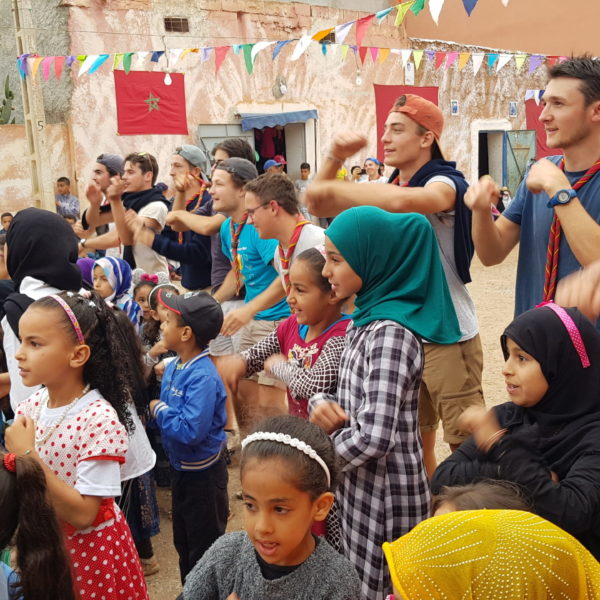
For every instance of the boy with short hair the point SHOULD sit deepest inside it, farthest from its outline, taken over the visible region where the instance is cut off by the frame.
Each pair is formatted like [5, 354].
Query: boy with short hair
[191, 417]
[5, 219]
[66, 203]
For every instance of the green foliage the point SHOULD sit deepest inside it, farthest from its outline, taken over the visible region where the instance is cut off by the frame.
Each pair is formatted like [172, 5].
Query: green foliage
[7, 105]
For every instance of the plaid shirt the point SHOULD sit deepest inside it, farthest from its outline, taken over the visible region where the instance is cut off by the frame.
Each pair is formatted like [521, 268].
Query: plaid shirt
[383, 491]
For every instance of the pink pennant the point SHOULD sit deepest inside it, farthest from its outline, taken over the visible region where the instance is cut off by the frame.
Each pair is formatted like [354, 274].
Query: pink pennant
[451, 59]
[59, 61]
[439, 59]
[46, 64]
[361, 28]
[220, 54]
[374, 52]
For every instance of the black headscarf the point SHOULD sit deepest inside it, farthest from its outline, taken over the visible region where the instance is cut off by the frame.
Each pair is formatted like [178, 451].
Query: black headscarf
[566, 421]
[41, 244]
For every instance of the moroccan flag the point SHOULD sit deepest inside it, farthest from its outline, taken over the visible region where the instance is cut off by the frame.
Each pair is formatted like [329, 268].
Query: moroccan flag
[386, 95]
[146, 105]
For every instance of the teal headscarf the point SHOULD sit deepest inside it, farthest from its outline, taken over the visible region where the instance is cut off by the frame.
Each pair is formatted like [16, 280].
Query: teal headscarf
[398, 259]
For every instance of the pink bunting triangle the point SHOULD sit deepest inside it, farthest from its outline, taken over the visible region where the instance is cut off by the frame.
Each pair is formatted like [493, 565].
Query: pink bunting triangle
[451, 59]
[374, 52]
[220, 54]
[59, 61]
[361, 28]
[46, 64]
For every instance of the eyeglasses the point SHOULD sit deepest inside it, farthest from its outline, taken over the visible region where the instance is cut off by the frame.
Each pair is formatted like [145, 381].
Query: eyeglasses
[250, 211]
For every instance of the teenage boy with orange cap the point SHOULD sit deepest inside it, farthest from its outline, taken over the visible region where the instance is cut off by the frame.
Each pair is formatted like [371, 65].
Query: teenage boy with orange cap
[423, 182]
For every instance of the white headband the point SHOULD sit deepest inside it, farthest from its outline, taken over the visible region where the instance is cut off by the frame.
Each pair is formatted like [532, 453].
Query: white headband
[283, 438]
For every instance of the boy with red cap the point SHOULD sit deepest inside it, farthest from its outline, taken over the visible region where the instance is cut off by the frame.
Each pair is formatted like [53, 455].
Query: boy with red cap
[423, 182]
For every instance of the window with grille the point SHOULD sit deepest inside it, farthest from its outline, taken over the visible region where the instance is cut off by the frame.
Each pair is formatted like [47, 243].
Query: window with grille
[177, 24]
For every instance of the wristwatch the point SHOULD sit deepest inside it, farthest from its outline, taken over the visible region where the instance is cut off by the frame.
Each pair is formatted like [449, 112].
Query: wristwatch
[562, 197]
[82, 242]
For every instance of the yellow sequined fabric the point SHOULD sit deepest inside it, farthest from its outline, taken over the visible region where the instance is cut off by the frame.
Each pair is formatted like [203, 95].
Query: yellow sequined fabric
[491, 555]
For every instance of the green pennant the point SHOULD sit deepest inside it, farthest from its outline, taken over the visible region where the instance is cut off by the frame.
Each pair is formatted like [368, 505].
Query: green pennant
[418, 6]
[127, 61]
[81, 58]
[248, 57]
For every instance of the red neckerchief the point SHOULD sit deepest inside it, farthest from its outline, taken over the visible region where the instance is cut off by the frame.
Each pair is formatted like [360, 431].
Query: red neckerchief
[235, 239]
[552, 253]
[285, 257]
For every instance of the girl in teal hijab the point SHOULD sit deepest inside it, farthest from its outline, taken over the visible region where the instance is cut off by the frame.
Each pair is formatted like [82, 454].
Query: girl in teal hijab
[397, 258]
[392, 263]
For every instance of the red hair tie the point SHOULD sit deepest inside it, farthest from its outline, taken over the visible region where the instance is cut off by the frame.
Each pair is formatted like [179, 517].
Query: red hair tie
[10, 462]
[151, 278]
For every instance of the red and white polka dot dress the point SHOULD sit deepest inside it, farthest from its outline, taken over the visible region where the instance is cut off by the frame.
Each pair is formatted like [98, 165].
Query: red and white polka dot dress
[105, 562]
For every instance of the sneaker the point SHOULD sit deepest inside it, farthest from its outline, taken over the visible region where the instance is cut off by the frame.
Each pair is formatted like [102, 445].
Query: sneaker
[150, 566]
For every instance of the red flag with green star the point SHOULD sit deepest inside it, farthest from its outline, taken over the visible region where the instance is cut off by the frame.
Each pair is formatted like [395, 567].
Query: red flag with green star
[146, 105]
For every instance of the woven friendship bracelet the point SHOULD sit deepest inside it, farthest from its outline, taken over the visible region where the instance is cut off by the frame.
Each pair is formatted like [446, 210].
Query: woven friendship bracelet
[288, 441]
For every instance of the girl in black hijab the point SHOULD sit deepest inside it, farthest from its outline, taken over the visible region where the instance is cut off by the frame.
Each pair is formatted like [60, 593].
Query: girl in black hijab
[547, 439]
[41, 257]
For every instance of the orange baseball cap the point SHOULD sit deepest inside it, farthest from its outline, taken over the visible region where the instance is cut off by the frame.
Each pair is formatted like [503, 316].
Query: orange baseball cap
[422, 111]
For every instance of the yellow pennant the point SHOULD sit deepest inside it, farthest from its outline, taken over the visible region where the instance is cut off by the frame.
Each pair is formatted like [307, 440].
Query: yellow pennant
[520, 60]
[322, 34]
[417, 56]
[402, 10]
[383, 54]
[463, 59]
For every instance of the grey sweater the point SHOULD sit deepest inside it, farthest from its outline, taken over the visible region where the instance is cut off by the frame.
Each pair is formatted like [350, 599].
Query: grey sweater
[230, 565]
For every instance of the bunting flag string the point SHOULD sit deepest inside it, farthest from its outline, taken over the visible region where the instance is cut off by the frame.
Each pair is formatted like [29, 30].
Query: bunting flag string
[28, 65]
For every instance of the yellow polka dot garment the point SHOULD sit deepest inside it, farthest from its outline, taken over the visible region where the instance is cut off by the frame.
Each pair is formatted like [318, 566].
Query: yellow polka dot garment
[491, 555]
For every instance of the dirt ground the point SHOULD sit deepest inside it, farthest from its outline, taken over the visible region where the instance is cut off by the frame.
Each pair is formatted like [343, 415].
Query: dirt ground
[492, 290]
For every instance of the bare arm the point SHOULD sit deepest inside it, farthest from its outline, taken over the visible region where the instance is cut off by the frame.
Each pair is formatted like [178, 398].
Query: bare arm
[114, 194]
[344, 145]
[227, 289]
[493, 240]
[4, 384]
[103, 242]
[181, 220]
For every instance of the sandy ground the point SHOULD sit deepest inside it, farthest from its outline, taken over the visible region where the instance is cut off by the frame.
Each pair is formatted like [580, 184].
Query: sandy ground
[492, 290]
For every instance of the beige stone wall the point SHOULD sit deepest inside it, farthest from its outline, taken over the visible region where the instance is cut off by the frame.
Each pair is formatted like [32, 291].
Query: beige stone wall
[15, 174]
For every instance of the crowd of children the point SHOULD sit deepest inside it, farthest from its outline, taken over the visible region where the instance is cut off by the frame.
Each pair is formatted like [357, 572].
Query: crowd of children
[121, 378]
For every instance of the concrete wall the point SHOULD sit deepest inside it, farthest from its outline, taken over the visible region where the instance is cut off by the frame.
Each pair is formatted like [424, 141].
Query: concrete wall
[550, 27]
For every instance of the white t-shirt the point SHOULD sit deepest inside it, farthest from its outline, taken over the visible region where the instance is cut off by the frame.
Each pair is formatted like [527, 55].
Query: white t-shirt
[146, 258]
[382, 179]
[310, 237]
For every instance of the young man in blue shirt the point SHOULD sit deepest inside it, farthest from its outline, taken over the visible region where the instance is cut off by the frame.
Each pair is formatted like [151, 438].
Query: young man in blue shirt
[191, 417]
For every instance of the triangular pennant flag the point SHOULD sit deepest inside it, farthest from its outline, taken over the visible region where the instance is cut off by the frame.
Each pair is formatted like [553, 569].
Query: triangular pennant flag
[342, 31]
[35, 65]
[344, 51]
[69, 60]
[469, 5]
[59, 61]
[551, 60]
[324, 49]
[405, 57]
[417, 56]
[46, 64]
[258, 47]
[382, 14]
[520, 60]
[127, 61]
[451, 59]
[439, 59]
[491, 59]
[175, 53]
[322, 34]
[503, 60]
[117, 60]
[86, 65]
[402, 10]
[463, 60]
[361, 28]
[477, 60]
[417, 7]
[220, 54]
[535, 60]
[383, 54]
[430, 54]
[205, 53]
[505, 2]
[529, 94]
[278, 47]
[81, 58]
[248, 57]
[301, 46]
[99, 62]
[374, 53]
[362, 52]
[140, 58]
[186, 51]
[22, 65]
[156, 55]
[435, 8]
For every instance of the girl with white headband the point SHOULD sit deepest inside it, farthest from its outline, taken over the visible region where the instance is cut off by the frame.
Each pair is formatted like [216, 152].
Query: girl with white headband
[288, 472]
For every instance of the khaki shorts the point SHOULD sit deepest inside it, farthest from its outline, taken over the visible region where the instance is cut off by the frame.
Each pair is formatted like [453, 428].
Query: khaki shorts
[254, 332]
[451, 383]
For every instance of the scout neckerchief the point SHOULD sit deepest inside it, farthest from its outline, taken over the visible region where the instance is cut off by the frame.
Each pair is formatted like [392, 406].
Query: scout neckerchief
[235, 239]
[552, 254]
[285, 257]
[195, 197]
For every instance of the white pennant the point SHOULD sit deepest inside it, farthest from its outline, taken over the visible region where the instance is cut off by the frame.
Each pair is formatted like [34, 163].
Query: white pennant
[477, 58]
[86, 65]
[258, 47]
[301, 47]
[405, 56]
[503, 60]
[505, 2]
[175, 54]
[141, 57]
[435, 8]
[529, 94]
[341, 32]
